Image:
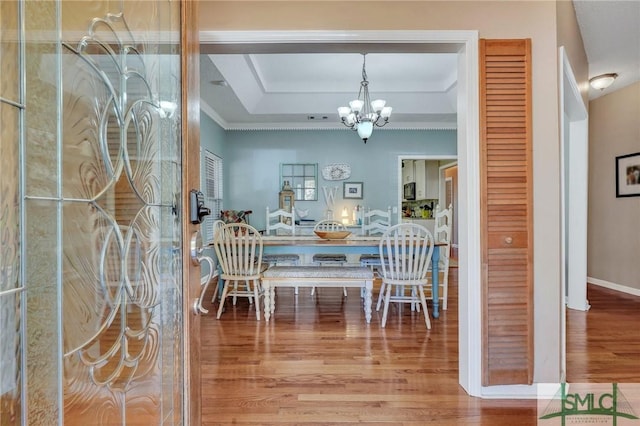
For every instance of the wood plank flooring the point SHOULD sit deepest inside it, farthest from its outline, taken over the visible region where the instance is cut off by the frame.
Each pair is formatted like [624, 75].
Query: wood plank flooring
[603, 344]
[317, 362]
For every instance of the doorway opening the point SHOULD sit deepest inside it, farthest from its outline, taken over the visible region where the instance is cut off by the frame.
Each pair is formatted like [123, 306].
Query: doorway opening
[429, 173]
[574, 160]
[465, 44]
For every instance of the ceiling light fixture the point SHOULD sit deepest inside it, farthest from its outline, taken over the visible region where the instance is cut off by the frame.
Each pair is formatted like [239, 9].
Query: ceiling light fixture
[603, 81]
[362, 114]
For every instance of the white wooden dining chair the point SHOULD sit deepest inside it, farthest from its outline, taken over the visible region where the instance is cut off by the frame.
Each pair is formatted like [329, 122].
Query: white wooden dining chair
[374, 222]
[329, 225]
[238, 248]
[281, 222]
[405, 253]
[442, 234]
[329, 259]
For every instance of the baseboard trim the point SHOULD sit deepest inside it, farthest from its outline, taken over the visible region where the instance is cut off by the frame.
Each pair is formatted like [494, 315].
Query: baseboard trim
[613, 286]
[534, 391]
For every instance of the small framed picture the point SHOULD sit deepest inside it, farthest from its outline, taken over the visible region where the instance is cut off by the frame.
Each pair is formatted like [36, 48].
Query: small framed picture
[352, 190]
[628, 175]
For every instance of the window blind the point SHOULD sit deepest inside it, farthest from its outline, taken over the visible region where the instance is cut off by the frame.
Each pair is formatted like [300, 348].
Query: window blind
[212, 184]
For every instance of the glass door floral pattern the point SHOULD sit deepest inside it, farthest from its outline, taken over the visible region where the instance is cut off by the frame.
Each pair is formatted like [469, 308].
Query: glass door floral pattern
[121, 242]
[101, 233]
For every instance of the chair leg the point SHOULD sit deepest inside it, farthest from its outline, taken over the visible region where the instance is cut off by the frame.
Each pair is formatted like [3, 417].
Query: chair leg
[380, 296]
[295, 289]
[415, 304]
[386, 306]
[247, 285]
[445, 289]
[215, 291]
[225, 290]
[235, 289]
[219, 285]
[423, 301]
[257, 297]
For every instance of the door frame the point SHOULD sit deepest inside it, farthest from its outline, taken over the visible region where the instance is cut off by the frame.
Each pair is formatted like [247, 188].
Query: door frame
[190, 128]
[465, 43]
[574, 138]
[574, 178]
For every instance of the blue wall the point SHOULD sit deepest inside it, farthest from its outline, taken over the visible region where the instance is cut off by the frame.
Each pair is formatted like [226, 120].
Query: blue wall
[252, 163]
[212, 136]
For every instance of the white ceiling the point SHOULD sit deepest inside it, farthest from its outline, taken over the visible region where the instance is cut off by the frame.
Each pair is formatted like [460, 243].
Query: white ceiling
[304, 90]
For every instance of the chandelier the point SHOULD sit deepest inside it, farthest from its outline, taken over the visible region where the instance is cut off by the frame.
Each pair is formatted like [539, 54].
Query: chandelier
[362, 114]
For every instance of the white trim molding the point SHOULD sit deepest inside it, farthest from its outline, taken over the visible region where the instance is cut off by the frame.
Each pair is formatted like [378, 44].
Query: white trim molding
[613, 286]
[465, 44]
[534, 391]
[329, 36]
[212, 114]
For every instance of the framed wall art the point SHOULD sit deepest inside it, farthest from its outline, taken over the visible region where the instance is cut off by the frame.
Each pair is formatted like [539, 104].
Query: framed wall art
[628, 175]
[352, 191]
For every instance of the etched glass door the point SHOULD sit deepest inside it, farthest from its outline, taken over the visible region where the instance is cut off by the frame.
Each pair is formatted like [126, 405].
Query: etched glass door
[90, 290]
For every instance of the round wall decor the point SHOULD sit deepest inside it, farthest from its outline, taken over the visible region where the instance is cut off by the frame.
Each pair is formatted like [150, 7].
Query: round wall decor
[336, 171]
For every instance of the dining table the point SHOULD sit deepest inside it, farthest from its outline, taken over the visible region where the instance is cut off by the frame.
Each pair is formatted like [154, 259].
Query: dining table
[353, 244]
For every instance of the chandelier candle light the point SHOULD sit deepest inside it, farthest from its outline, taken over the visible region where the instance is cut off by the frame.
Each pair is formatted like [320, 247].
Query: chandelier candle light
[362, 114]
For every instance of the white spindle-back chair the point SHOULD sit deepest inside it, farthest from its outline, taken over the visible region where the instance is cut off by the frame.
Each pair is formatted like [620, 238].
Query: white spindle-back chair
[238, 247]
[405, 255]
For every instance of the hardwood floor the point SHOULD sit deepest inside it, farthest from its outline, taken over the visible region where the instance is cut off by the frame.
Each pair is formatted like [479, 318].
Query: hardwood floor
[317, 362]
[603, 344]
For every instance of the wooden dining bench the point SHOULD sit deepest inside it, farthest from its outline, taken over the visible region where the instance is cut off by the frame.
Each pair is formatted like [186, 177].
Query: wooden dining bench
[316, 276]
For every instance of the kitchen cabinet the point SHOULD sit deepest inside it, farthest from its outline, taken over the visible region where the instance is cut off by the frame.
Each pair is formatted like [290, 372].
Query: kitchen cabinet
[427, 175]
[408, 172]
[420, 173]
[432, 180]
[427, 223]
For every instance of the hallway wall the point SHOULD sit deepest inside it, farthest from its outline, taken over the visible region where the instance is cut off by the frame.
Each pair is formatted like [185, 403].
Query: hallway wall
[614, 223]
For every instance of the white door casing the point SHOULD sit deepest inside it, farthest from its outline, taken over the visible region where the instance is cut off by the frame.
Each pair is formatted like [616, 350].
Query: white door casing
[465, 43]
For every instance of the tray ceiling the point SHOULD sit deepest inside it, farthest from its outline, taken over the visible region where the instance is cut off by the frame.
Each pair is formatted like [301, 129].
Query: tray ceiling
[304, 90]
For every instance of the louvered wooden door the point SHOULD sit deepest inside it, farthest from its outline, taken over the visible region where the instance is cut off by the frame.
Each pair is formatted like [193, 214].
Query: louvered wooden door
[506, 211]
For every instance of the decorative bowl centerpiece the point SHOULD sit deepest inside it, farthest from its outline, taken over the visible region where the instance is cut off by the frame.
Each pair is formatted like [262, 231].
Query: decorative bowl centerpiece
[332, 235]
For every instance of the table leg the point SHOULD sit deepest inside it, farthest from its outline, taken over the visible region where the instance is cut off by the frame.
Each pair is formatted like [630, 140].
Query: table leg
[368, 289]
[273, 299]
[435, 260]
[267, 300]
